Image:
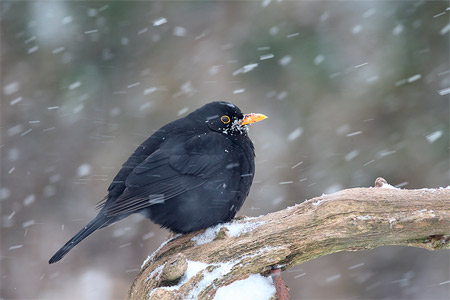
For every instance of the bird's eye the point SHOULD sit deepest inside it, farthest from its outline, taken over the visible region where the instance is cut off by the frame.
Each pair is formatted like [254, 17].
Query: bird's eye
[225, 119]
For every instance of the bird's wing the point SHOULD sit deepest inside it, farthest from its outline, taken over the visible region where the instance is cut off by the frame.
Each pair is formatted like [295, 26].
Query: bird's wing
[167, 173]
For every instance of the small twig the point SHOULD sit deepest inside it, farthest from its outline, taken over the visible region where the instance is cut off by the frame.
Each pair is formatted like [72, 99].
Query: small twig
[280, 285]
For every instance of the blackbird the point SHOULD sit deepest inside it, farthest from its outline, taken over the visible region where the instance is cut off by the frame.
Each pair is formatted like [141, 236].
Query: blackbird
[193, 173]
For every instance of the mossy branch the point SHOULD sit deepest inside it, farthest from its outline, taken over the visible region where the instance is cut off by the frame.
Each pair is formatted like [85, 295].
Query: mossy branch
[349, 220]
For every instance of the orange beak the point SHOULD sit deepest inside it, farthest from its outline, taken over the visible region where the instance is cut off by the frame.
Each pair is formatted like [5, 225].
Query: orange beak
[252, 118]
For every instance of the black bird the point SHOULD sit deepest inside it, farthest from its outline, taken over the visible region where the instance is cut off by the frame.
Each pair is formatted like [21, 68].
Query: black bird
[192, 173]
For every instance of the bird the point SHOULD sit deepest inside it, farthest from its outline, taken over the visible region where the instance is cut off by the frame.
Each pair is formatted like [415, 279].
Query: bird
[191, 174]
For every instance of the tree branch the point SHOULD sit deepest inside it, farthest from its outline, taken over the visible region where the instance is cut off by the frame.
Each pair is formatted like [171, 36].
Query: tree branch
[349, 220]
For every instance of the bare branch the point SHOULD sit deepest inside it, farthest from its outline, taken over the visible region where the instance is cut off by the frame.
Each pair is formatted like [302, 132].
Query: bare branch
[349, 220]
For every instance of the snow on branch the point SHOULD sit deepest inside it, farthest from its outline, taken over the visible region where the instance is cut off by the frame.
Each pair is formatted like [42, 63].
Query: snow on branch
[199, 265]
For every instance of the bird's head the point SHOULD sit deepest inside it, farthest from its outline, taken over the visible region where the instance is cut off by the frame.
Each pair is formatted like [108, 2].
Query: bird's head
[227, 118]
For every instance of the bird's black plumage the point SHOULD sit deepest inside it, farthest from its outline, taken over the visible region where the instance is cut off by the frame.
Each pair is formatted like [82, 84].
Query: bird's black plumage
[192, 173]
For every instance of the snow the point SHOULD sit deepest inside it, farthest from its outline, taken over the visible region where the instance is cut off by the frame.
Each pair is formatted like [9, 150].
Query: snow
[183, 111]
[148, 235]
[208, 278]
[296, 165]
[159, 22]
[333, 278]
[91, 31]
[29, 199]
[15, 101]
[361, 65]
[179, 31]
[295, 134]
[66, 20]
[445, 30]
[319, 59]
[357, 29]
[149, 258]
[143, 30]
[444, 91]
[235, 229]
[398, 29]
[293, 35]
[354, 133]
[15, 247]
[193, 268]
[245, 69]
[28, 223]
[351, 155]
[255, 287]
[266, 56]
[433, 137]
[414, 78]
[84, 170]
[33, 49]
[387, 186]
[356, 266]
[58, 50]
[285, 60]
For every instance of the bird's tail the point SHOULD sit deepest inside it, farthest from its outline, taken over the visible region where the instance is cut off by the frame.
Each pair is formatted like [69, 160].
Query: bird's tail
[98, 222]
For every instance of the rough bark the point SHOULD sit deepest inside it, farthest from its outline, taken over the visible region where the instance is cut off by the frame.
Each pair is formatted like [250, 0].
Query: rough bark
[349, 220]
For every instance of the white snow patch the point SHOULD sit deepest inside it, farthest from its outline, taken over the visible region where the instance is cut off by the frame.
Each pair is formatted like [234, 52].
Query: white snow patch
[209, 278]
[255, 287]
[208, 236]
[433, 137]
[235, 229]
[387, 186]
[193, 268]
[317, 202]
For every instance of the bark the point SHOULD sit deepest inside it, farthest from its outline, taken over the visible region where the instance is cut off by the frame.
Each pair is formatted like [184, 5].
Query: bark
[349, 220]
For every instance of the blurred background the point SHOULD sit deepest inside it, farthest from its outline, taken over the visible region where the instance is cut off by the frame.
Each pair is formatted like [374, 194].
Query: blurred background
[353, 90]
